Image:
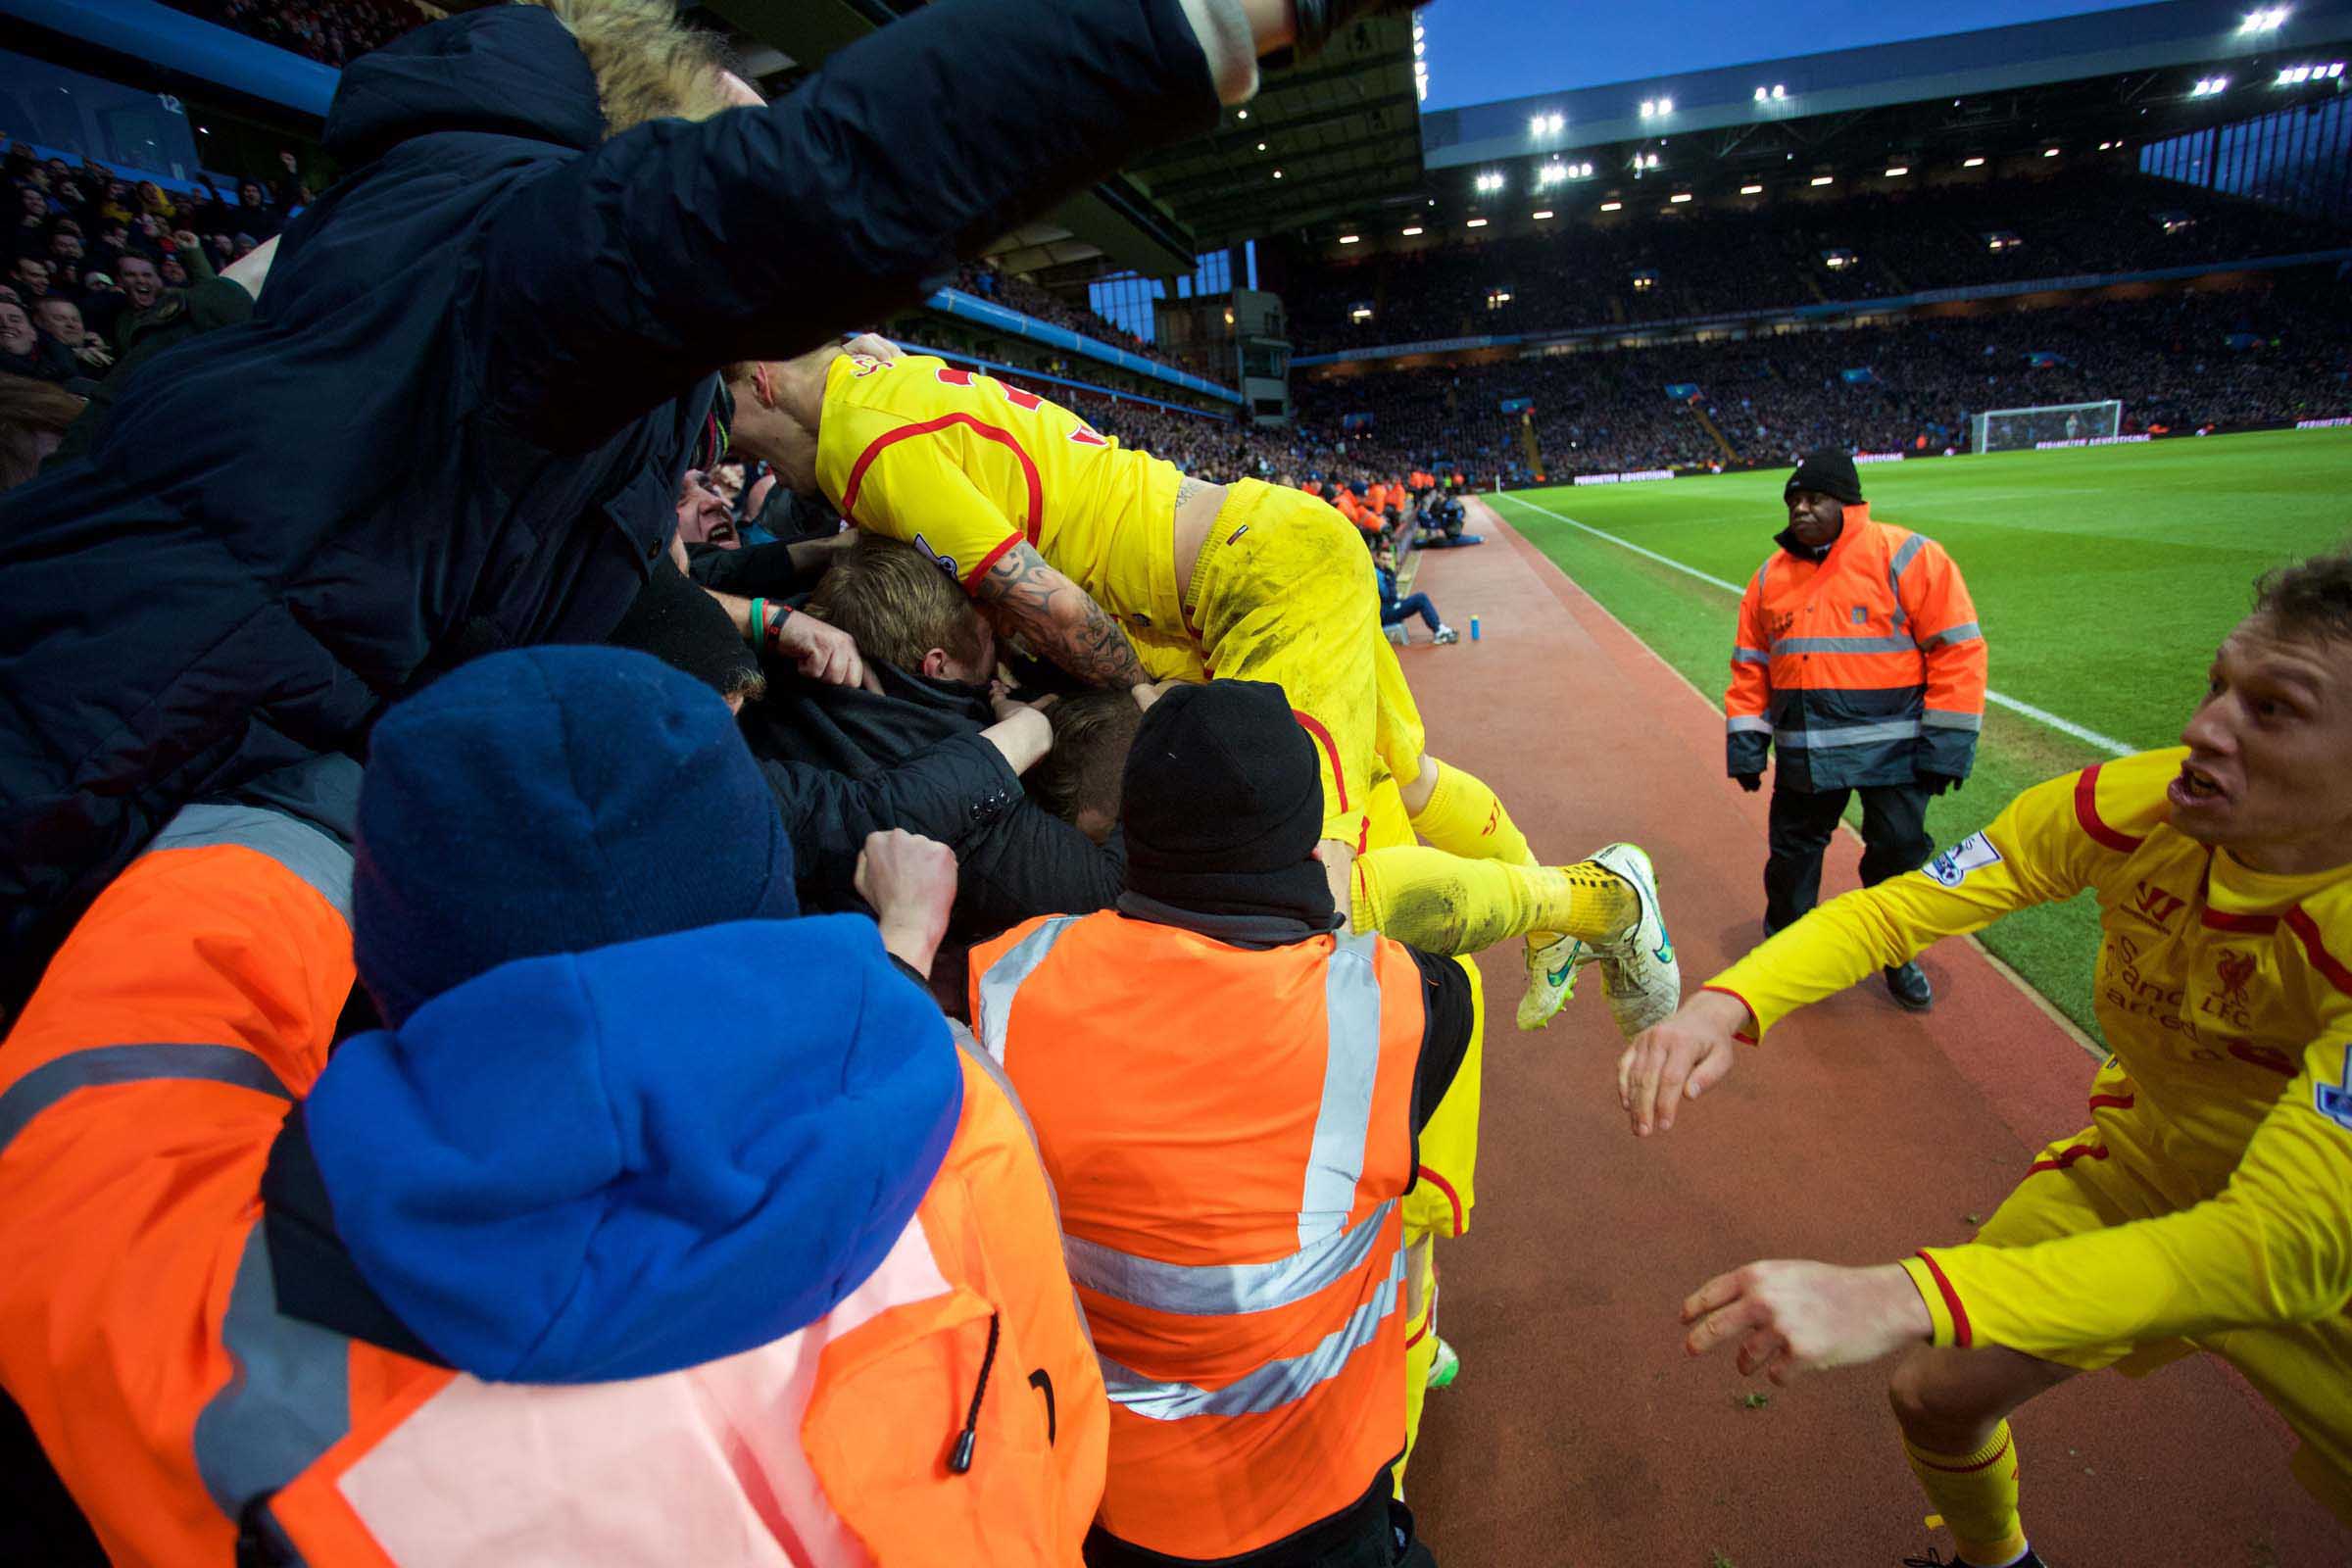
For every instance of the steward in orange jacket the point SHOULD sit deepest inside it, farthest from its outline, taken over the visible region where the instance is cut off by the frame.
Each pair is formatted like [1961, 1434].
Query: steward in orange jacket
[1228, 1089]
[660, 1227]
[1860, 660]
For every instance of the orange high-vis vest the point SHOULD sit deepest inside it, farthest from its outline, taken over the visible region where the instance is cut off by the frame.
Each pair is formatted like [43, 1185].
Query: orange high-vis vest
[1229, 1132]
[1865, 668]
[140, 1328]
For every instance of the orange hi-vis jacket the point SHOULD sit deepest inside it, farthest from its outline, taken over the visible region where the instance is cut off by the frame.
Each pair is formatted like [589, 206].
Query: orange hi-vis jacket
[1864, 668]
[1229, 1131]
[196, 1422]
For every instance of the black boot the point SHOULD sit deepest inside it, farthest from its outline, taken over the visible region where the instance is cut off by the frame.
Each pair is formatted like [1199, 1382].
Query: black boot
[1909, 986]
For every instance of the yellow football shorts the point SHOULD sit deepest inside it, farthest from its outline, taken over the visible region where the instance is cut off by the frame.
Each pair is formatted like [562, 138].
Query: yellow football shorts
[1283, 591]
[2304, 1370]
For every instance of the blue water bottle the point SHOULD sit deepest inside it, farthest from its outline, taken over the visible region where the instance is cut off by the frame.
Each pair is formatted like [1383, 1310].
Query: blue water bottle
[1474, 628]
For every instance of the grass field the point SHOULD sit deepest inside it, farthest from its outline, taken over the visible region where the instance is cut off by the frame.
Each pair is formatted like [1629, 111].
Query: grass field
[2103, 578]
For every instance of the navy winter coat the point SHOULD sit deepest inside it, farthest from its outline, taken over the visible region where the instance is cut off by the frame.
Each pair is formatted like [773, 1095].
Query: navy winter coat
[457, 418]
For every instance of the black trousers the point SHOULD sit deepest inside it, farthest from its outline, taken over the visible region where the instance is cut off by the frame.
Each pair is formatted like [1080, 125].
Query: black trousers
[1895, 839]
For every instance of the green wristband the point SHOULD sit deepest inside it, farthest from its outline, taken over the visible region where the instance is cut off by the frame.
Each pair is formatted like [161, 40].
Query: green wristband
[758, 622]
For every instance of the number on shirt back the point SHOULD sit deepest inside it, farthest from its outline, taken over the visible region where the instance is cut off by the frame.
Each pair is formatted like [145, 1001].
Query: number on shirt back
[1029, 402]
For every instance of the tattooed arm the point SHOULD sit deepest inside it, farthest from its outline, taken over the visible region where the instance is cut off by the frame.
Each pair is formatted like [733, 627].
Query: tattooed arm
[1055, 617]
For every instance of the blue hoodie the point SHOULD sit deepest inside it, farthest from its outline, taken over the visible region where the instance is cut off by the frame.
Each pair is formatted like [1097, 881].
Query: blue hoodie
[623, 1161]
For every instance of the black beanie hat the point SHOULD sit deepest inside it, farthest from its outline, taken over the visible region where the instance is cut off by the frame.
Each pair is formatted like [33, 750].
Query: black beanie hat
[1224, 802]
[1829, 474]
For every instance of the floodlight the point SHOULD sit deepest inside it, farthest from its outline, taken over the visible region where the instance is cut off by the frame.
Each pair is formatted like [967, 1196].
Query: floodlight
[1350, 239]
[1475, 222]
[1751, 190]
[1679, 196]
[1823, 179]
[1540, 215]
[1972, 162]
[1411, 229]
[1612, 207]
[1898, 170]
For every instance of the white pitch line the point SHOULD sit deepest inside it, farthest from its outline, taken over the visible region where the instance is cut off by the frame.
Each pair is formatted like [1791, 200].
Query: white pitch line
[2067, 727]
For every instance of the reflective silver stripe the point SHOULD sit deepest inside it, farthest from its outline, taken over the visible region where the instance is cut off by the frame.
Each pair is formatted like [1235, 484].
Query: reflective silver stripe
[53, 1081]
[1335, 1163]
[1738, 725]
[1266, 1388]
[1750, 656]
[286, 1402]
[1213, 1289]
[299, 848]
[1842, 645]
[1938, 719]
[1821, 739]
[1965, 632]
[1895, 572]
[1005, 977]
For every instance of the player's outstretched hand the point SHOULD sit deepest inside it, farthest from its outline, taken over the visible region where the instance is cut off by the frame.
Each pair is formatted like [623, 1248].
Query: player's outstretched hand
[1791, 1317]
[874, 346]
[824, 652]
[1679, 1060]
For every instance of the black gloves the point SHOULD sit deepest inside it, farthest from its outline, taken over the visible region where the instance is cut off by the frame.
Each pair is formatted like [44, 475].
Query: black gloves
[1936, 783]
[1750, 782]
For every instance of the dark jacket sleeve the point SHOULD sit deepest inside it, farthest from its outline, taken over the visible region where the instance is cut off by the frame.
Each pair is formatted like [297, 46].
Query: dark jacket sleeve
[1030, 862]
[948, 792]
[1450, 1017]
[614, 280]
[762, 569]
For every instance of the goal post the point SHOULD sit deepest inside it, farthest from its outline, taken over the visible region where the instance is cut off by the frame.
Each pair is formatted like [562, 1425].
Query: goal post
[2050, 423]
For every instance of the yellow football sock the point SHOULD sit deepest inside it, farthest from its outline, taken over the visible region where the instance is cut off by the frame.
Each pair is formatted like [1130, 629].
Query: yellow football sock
[1442, 903]
[1464, 817]
[1977, 1494]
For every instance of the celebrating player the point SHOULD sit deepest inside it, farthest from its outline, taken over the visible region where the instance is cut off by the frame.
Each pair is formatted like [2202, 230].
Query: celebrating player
[1124, 571]
[2209, 1204]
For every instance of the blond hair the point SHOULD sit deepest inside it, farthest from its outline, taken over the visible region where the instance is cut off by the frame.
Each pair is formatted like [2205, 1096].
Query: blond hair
[648, 65]
[898, 604]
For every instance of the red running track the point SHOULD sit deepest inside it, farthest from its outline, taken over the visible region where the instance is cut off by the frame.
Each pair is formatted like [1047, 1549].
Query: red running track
[1578, 1432]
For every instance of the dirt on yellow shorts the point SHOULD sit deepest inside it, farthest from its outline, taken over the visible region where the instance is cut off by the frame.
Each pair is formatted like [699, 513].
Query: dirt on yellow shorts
[2304, 1370]
[1283, 591]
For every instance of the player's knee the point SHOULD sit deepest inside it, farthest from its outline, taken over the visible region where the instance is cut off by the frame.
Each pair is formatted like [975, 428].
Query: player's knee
[1937, 1409]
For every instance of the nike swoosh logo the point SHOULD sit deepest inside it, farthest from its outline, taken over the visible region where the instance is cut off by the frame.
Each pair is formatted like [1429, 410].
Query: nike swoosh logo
[1663, 953]
[1560, 975]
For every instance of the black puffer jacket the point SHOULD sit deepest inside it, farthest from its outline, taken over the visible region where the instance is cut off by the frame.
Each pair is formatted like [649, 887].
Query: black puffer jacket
[457, 418]
[915, 752]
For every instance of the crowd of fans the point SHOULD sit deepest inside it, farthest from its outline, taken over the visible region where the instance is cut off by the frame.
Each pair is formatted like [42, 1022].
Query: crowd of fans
[2177, 361]
[1704, 263]
[334, 32]
[92, 260]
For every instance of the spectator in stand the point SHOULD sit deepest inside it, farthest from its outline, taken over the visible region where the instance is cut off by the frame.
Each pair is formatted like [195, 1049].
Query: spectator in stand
[60, 320]
[29, 279]
[255, 214]
[33, 417]
[164, 315]
[25, 352]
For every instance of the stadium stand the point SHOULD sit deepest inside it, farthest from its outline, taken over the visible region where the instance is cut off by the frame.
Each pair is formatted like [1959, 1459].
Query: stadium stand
[1716, 261]
[2181, 362]
[334, 32]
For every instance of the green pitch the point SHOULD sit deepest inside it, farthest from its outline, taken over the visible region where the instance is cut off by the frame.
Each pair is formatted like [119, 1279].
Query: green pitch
[2103, 578]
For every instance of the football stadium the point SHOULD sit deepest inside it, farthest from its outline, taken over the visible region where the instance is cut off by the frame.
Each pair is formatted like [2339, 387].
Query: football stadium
[1175, 784]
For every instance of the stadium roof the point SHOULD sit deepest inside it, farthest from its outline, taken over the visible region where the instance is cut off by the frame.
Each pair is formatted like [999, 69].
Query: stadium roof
[2164, 42]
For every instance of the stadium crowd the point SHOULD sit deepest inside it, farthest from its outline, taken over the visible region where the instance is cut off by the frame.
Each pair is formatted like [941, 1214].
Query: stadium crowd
[2177, 361]
[334, 32]
[1704, 263]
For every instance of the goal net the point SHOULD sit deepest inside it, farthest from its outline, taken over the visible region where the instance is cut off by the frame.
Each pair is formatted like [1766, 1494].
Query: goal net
[2051, 424]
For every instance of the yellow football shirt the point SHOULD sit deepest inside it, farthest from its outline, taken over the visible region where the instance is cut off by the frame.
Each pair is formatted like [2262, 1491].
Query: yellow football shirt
[2225, 995]
[963, 467]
